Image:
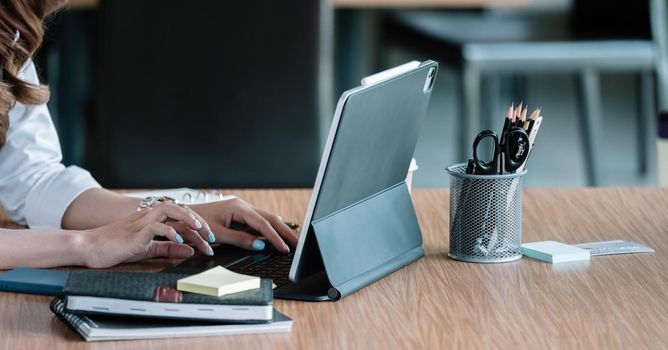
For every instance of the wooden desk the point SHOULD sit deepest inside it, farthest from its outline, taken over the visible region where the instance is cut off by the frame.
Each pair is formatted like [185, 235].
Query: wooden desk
[612, 302]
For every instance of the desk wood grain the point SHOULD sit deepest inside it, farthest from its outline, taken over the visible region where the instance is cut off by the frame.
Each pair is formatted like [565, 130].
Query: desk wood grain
[611, 302]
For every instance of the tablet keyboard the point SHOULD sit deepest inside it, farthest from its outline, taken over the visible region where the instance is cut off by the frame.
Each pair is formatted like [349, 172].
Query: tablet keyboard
[275, 266]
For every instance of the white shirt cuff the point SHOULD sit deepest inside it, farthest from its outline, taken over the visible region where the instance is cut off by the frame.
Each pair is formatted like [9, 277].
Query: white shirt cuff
[49, 199]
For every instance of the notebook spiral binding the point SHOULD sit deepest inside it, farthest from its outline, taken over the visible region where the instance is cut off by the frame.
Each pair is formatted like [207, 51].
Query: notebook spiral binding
[72, 320]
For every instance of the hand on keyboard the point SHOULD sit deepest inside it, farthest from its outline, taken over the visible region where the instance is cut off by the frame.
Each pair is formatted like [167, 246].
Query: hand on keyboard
[222, 216]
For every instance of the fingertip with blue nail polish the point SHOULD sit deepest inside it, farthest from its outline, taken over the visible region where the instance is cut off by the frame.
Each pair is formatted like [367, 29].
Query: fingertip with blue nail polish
[179, 238]
[212, 237]
[258, 244]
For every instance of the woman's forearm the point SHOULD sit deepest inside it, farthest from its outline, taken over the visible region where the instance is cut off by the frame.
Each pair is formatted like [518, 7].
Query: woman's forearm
[41, 248]
[97, 207]
[129, 238]
[48, 248]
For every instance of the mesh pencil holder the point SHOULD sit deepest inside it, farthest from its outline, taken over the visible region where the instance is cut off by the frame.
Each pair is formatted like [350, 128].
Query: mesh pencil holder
[485, 216]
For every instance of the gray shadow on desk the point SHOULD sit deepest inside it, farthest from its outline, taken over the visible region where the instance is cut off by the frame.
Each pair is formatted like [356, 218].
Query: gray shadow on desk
[443, 255]
[58, 327]
[440, 255]
[573, 266]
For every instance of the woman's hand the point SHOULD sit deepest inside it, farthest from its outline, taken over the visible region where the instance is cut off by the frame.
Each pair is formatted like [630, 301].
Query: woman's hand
[131, 238]
[222, 214]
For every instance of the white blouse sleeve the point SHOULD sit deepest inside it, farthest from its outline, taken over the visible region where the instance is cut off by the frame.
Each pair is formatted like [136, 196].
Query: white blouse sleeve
[35, 188]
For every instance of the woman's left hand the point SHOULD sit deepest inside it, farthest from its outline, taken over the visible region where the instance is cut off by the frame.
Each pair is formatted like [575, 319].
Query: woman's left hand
[220, 216]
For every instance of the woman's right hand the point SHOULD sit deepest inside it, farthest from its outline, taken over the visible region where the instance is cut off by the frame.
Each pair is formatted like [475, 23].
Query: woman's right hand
[131, 238]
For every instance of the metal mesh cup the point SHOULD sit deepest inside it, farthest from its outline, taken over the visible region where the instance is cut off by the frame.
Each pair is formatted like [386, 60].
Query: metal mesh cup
[485, 216]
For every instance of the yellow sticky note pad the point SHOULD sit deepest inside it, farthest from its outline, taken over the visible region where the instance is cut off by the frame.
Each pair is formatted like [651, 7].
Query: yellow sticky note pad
[218, 281]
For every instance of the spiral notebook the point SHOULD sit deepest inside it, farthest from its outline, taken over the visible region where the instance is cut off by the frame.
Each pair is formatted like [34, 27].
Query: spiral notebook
[99, 327]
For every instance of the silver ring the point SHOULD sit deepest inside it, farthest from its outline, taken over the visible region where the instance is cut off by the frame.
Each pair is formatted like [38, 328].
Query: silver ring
[149, 201]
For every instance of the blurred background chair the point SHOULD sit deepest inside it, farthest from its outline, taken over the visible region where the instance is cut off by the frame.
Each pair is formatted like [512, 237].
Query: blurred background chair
[210, 94]
[134, 50]
[660, 31]
[587, 39]
[659, 22]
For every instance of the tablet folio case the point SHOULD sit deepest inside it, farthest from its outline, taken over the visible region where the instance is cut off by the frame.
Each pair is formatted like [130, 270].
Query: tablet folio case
[364, 222]
[392, 240]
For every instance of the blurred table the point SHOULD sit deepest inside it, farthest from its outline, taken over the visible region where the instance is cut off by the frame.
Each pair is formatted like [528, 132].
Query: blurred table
[611, 302]
[84, 4]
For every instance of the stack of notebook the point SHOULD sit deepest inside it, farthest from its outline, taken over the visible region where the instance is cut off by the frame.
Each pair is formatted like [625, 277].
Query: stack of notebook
[102, 305]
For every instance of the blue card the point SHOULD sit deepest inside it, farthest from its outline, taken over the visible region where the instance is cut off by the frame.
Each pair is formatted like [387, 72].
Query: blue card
[34, 281]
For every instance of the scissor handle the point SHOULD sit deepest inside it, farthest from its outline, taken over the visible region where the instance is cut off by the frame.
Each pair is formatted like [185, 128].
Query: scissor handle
[482, 167]
[515, 148]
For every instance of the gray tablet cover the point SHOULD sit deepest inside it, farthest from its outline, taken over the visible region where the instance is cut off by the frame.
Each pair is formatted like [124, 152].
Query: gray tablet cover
[363, 222]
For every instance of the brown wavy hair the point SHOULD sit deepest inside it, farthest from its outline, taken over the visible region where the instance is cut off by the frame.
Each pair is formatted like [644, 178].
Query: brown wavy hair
[26, 17]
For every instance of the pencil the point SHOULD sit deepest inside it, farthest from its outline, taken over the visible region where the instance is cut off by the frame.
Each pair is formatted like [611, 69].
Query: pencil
[533, 116]
[524, 114]
[536, 114]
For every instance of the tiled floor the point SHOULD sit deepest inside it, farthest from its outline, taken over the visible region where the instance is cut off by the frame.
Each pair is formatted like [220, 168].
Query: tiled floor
[557, 160]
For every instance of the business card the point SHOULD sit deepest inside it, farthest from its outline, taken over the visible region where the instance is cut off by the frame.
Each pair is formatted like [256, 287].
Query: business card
[614, 247]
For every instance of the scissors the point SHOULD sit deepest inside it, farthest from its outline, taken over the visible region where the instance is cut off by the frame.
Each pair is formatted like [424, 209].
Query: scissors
[510, 151]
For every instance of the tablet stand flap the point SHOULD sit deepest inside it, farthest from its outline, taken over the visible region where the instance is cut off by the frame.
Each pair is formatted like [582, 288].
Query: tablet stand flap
[368, 240]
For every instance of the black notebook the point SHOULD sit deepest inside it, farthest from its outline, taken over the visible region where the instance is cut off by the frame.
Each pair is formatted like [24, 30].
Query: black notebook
[145, 294]
[101, 327]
